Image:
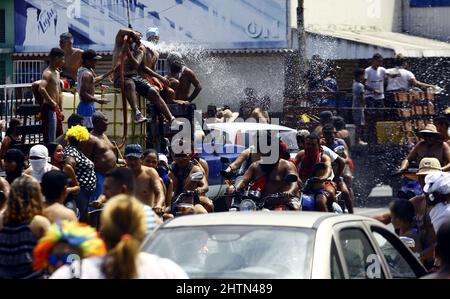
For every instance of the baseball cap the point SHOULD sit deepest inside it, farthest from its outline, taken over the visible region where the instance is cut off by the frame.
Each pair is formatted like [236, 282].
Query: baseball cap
[134, 150]
[90, 55]
[39, 151]
[152, 32]
[163, 158]
[429, 165]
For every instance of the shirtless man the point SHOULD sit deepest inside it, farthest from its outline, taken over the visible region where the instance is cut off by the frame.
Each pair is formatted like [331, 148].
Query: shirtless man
[50, 91]
[54, 187]
[149, 189]
[148, 68]
[431, 147]
[269, 177]
[100, 150]
[72, 57]
[87, 80]
[181, 78]
[181, 173]
[128, 44]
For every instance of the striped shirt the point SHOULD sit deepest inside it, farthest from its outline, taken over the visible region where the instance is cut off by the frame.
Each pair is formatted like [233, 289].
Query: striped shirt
[16, 252]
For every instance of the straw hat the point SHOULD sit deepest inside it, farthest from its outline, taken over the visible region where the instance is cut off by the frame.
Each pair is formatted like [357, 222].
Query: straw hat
[429, 129]
[227, 116]
[429, 165]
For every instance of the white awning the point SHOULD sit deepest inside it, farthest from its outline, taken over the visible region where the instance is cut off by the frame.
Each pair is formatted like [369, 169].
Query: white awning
[340, 44]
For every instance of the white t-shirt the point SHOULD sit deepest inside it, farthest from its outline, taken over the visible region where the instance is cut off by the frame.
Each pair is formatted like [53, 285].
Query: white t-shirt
[400, 83]
[375, 80]
[149, 267]
[333, 156]
[439, 214]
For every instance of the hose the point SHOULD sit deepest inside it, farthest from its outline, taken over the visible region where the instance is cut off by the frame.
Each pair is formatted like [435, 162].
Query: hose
[123, 58]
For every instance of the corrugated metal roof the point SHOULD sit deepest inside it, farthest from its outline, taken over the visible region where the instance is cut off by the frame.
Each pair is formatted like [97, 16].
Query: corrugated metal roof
[251, 51]
[408, 45]
[45, 54]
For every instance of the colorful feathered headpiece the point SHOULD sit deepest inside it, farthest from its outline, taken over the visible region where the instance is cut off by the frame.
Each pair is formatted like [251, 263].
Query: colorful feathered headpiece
[78, 235]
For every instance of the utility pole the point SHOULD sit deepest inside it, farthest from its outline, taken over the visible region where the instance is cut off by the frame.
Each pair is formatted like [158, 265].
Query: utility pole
[303, 63]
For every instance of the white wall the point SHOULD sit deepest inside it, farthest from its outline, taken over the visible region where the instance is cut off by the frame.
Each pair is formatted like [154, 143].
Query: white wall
[224, 79]
[379, 15]
[431, 22]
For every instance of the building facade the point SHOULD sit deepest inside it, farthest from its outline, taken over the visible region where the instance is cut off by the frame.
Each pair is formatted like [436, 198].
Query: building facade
[6, 40]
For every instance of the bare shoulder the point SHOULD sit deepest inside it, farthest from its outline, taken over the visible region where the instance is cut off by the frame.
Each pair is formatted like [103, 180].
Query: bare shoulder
[150, 172]
[39, 225]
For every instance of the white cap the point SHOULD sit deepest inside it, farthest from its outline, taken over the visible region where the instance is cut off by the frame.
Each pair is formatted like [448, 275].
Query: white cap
[163, 158]
[39, 151]
[152, 32]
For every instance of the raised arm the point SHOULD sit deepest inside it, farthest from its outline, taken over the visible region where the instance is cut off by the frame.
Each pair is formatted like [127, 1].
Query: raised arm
[412, 156]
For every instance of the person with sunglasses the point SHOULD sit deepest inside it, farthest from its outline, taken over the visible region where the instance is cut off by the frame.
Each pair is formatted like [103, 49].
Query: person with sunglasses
[64, 243]
[432, 146]
[39, 162]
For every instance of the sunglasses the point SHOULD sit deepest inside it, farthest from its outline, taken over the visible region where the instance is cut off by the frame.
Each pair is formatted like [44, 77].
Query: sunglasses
[55, 259]
[35, 158]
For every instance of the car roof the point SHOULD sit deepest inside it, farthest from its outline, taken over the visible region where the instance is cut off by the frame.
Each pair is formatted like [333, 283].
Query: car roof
[281, 219]
[248, 126]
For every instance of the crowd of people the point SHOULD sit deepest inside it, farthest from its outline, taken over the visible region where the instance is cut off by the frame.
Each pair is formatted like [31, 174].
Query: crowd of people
[73, 199]
[133, 71]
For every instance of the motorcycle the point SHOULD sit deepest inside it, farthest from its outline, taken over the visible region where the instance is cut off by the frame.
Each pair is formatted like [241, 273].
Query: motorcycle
[308, 198]
[251, 200]
[184, 203]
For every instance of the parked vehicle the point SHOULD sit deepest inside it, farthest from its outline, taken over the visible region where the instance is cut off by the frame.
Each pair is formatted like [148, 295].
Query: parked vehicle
[283, 245]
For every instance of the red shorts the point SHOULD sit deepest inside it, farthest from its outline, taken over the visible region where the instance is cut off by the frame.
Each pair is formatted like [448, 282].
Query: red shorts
[155, 82]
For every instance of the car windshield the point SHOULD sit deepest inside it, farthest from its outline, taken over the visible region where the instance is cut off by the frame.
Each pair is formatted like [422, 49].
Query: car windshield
[290, 138]
[236, 252]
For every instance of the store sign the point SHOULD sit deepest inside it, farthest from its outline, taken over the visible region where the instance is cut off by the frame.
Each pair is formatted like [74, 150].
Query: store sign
[212, 24]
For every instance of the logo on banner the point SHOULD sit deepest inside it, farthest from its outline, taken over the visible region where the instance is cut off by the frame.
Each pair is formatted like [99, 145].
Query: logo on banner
[74, 9]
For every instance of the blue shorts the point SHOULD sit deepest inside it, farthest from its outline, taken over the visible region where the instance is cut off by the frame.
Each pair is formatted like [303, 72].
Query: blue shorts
[86, 109]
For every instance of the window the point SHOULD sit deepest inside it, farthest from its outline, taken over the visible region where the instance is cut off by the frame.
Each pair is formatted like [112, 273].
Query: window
[360, 257]
[397, 264]
[28, 71]
[2, 26]
[336, 267]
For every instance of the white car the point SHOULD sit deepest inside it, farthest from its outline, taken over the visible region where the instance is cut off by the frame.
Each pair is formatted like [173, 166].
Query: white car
[283, 245]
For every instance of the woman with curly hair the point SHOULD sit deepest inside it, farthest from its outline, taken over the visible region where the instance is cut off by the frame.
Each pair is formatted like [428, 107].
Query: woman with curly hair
[64, 243]
[84, 168]
[23, 225]
[123, 228]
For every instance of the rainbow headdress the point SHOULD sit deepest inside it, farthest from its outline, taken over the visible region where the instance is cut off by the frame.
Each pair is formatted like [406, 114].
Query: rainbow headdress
[78, 235]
